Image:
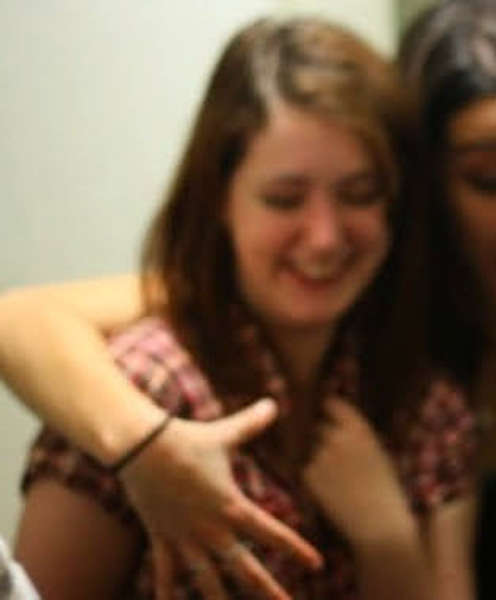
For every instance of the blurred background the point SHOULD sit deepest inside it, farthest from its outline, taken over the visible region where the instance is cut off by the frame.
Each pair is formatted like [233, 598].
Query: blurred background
[95, 100]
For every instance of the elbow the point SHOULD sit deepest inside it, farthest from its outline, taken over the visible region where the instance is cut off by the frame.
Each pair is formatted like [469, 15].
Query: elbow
[19, 309]
[17, 302]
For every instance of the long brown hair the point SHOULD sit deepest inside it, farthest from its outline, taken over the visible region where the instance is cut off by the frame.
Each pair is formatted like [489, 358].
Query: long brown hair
[309, 64]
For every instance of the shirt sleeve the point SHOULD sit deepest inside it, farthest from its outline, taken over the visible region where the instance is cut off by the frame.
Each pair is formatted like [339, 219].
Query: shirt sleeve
[141, 353]
[439, 456]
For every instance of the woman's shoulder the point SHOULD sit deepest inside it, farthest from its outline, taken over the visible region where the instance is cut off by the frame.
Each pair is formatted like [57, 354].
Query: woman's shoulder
[150, 336]
[445, 401]
[442, 417]
[439, 450]
[151, 355]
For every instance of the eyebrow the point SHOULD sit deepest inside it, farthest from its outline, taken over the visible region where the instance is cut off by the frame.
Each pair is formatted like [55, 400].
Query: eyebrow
[488, 144]
[358, 176]
[345, 179]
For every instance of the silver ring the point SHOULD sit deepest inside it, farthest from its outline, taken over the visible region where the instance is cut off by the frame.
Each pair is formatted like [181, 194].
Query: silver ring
[230, 554]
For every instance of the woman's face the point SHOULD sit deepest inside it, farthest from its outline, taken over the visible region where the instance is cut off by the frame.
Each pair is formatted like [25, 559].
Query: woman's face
[307, 217]
[472, 185]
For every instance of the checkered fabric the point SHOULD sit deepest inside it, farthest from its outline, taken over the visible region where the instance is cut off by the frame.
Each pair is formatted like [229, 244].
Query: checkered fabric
[435, 463]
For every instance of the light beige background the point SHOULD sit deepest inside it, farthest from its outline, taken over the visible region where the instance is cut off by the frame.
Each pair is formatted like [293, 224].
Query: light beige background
[95, 99]
[407, 9]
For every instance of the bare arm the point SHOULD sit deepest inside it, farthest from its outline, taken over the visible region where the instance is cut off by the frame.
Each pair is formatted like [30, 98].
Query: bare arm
[445, 557]
[395, 566]
[353, 480]
[449, 533]
[71, 548]
[54, 356]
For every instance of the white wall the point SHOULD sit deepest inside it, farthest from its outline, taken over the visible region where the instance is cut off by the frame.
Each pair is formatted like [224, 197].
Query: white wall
[408, 9]
[95, 98]
[374, 19]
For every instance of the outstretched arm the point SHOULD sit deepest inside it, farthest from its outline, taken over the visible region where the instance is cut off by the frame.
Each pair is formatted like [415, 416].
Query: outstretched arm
[53, 355]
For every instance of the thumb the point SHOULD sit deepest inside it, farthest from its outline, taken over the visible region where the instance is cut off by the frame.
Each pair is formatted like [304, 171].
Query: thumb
[245, 424]
[162, 567]
[338, 408]
[344, 413]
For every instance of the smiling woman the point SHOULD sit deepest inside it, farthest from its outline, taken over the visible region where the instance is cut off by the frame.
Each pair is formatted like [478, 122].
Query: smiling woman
[308, 222]
[271, 270]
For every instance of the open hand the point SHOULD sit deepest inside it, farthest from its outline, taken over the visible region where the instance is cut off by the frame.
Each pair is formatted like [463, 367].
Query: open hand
[352, 478]
[183, 489]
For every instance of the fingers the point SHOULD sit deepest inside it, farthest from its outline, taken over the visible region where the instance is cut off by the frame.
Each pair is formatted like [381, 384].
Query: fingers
[235, 557]
[162, 563]
[204, 571]
[248, 422]
[344, 413]
[239, 561]
[270, 531]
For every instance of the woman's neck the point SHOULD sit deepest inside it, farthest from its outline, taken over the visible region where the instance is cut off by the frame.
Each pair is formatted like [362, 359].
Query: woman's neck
[302, 352]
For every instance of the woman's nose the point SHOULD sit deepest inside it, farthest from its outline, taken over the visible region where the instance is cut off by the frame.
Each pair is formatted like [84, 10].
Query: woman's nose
[324, 224]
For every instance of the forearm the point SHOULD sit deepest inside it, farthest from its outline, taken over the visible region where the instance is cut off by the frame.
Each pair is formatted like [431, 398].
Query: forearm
[58, 365]
[449, 533]
[395, 566]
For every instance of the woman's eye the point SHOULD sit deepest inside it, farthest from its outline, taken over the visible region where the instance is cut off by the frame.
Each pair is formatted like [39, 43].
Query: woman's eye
[283, 201]
[364, 196]
[482, 182]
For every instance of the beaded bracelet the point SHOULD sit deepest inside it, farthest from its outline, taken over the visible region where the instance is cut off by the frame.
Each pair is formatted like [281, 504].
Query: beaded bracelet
[135, 450]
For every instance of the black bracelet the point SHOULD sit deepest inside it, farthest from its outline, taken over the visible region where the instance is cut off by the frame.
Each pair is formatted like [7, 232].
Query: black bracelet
[134, 451]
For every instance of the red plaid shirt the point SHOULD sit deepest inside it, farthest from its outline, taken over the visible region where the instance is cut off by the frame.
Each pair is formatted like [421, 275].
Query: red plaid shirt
[435, 464]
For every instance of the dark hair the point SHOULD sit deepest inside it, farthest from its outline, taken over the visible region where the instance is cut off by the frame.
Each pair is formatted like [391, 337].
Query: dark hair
[448, 58]
[309, 64]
